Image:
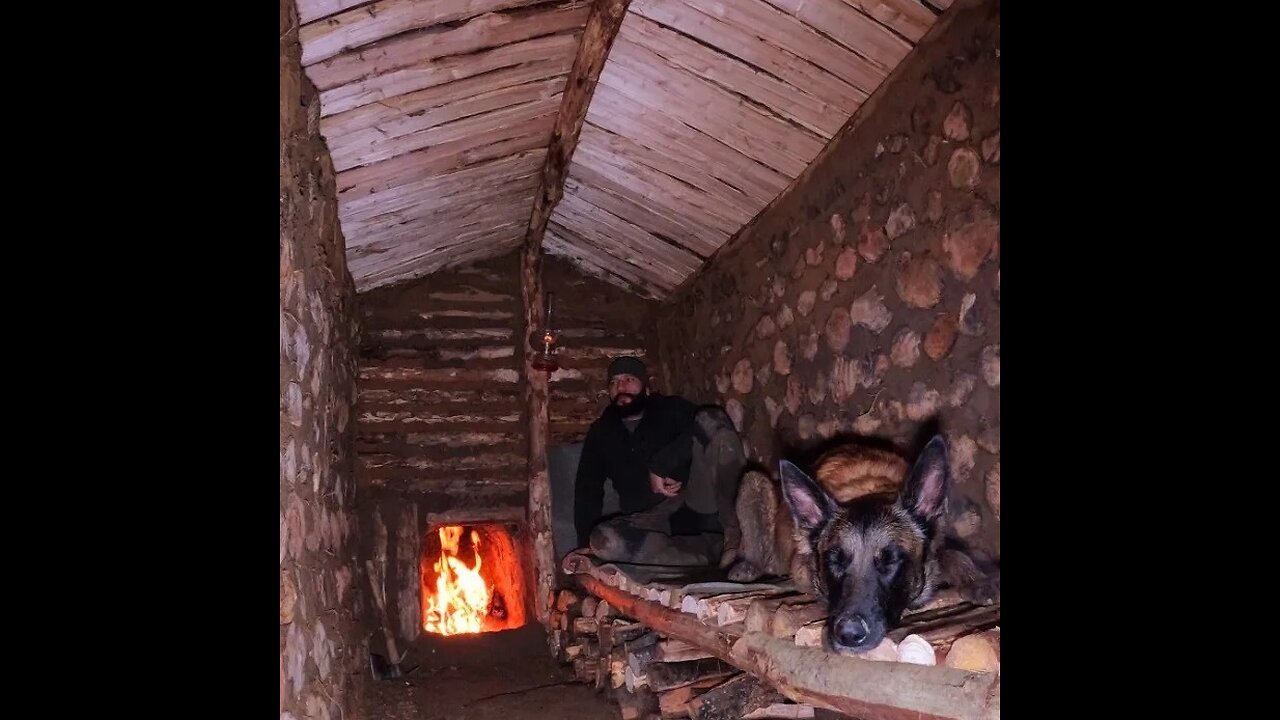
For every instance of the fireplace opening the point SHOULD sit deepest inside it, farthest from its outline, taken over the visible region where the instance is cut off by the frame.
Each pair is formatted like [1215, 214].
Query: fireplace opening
[472, 580]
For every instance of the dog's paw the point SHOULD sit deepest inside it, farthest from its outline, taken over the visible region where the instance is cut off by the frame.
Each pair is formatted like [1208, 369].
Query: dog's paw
[744, 571]
[728, 557]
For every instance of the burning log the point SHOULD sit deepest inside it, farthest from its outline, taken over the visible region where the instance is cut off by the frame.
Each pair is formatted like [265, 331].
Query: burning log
[732, 699]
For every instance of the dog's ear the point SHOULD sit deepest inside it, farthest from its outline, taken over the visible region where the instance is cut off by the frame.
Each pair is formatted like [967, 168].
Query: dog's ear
[926, 486]
[810, 505]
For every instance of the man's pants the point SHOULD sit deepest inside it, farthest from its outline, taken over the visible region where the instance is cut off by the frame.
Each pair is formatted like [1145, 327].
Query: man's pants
[697, 527]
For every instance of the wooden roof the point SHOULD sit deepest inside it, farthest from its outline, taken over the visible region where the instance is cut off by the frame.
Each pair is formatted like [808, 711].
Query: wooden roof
[446, 119]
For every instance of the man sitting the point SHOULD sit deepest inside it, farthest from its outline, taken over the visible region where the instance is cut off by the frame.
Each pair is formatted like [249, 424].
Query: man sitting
[675, 467]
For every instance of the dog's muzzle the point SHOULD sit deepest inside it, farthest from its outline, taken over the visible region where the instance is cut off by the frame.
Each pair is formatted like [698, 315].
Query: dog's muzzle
[850, 633]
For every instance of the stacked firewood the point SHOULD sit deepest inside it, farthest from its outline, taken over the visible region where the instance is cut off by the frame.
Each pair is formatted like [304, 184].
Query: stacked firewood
[651, 676]
[947, 631]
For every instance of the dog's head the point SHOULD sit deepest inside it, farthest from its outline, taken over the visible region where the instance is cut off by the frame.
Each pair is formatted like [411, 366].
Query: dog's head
[873, 557]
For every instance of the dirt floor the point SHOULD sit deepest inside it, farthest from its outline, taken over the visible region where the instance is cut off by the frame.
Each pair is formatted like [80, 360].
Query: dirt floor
[495, 676]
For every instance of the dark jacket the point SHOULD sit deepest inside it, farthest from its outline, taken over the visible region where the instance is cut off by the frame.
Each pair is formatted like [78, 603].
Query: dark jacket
[659, 444]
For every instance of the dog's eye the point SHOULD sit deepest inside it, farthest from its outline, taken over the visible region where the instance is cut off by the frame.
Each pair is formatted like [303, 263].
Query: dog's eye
[836, 559]
[888, 559]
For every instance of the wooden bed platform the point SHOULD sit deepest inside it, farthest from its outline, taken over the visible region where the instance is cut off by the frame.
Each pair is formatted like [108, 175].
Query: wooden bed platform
[666, 647]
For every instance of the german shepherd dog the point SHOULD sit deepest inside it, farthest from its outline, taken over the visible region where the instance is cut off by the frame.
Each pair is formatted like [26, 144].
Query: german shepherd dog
[873, 542]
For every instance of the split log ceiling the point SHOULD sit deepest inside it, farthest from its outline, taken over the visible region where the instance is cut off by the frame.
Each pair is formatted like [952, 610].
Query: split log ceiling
[440, 115]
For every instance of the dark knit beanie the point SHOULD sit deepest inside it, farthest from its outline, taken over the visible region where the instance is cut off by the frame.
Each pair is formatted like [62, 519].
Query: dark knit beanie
[628, 365]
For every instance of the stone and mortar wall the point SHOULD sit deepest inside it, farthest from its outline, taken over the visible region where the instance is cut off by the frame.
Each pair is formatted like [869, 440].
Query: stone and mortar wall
[322, 647]
[868, 300]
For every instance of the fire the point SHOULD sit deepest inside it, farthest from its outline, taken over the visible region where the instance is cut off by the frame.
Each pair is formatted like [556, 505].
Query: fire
[487, 595]
[461, 601]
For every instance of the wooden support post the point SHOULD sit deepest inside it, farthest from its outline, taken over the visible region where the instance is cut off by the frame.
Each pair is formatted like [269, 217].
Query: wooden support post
[602, 27]
[535, 395]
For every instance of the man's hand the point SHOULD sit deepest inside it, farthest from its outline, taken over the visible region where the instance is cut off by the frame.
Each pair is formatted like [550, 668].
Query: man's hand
[663, 485]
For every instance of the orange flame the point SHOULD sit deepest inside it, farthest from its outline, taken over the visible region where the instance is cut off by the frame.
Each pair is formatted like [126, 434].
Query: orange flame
[486, 596]
[461, 601]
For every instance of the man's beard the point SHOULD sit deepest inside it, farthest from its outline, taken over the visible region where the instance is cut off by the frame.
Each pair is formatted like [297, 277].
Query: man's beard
[633, 408]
